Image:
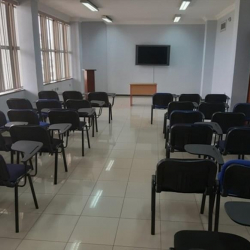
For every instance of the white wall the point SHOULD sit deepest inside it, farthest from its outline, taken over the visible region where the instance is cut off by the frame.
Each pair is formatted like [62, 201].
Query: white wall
[94, 52]
[5, 97]
[111, 50]
[224, 57]
[208, 57]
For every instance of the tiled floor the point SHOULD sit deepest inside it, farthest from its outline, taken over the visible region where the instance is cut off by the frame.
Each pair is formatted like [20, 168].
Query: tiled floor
[103, 202]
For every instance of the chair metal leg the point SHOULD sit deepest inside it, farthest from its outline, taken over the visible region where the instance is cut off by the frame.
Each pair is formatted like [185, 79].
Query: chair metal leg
[168, 152]
[17, 157]
[203, 202]
[64, 159]
[153, 206]
[12, 156]
[152, 114]
[93, 126]
[56, 167]
[96, 123]
[210, 211]
[16, 209]
[33, 191]
[111, 113]
[88, 136]
[217, 211]
[82, 142]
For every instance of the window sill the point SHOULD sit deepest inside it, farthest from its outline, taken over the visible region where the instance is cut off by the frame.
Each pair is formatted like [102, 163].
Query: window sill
[11, 92]
[45, 84]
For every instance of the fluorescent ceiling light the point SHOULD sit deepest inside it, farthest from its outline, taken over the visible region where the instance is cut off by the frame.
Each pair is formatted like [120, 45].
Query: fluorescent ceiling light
[177, 18]
[185, 4]
[89, 5]
[107, 19]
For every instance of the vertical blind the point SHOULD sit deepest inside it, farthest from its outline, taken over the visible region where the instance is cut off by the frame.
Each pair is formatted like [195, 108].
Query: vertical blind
[55, 49]
[9, 49]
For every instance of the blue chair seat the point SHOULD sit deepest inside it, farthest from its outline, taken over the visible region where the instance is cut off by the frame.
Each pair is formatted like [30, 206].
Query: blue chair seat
[221, 145]
[43, 124]
[160, 107]
[16, 171]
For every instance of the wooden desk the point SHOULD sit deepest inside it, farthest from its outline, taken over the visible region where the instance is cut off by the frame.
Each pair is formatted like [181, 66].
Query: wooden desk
[142, 89]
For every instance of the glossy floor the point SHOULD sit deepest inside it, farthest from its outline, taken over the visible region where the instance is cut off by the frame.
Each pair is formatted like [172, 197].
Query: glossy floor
[103, 202]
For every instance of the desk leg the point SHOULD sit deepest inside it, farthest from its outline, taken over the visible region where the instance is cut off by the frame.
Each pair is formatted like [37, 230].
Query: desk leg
[131, 100]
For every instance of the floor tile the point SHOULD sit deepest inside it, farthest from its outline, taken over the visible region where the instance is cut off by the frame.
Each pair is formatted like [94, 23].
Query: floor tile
[53, 228]
[9, 244]
[181, 211]
[110, 188]
[78, 246]
[95, 230]
[7, 224]
[132, 233]
[122, 153]
[41, 245]
[138, 175]
[45, 186]
[144, 164]
[139, 190]
[89, 174]
[88, 162]
[103, 206]
[114, 174]
[134, 208]
[77, 187]
[67, 205]
[114, 163]
[26, 203]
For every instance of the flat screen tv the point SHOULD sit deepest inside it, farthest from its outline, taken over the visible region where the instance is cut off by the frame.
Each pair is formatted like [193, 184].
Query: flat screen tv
[153, 55]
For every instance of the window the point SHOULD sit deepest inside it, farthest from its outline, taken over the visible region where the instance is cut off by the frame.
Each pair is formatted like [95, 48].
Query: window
[9, 49]
[55, 52]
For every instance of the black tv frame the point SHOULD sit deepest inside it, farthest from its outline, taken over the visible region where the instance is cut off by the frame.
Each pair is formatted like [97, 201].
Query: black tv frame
[157, 46]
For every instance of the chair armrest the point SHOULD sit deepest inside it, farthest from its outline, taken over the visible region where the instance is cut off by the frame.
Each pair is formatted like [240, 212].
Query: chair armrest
[29, 148]
[61, 127]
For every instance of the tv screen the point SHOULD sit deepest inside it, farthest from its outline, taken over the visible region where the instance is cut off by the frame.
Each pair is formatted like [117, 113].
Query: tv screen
[152, 55]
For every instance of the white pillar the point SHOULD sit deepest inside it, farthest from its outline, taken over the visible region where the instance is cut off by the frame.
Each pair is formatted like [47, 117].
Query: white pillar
[77, 62]
[28, 29]
[242, 53]
[208, 57]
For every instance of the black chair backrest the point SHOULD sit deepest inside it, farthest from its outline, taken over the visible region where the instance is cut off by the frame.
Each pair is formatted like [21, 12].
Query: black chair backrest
[19, 103]
[216, 98]
[32, 133]
[238, 141]
[48, 104]
[77, 104]
[162, 100]
[227, 120]
[188, 117]
[183, 134]
[3, 119]
[48, 94]
[99, 96]
[185, 176]
[190, 98]
[243, 108]
[3, 146]
[208, 109]
[23, 115]
[4, 173]
[65, 116]
[236, 181]
[76, 95]
[179, 106]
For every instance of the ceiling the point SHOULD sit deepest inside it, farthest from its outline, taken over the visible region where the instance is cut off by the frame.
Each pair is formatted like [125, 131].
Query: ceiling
[142, 11]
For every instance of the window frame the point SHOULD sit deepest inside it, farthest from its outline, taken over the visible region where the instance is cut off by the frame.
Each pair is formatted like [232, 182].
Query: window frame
[55, 48]
[11, 69]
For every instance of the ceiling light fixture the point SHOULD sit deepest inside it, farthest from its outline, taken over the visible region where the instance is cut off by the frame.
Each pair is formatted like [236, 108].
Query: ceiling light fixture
[185, 4]
[107, 19]
[89, 5]
[177, 18]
